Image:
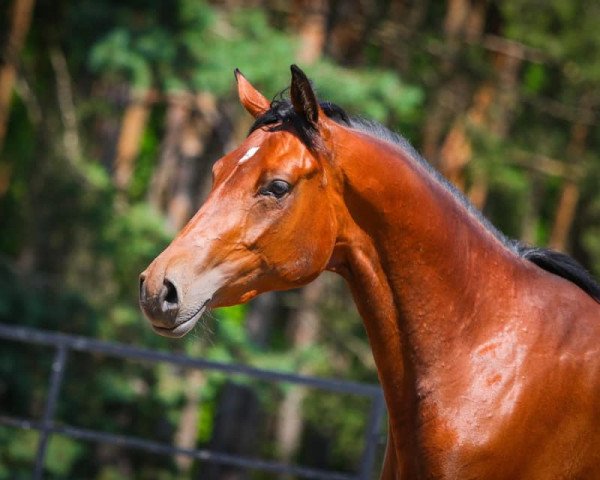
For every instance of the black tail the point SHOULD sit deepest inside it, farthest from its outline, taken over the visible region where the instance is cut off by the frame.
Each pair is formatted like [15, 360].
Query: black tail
[563, 266]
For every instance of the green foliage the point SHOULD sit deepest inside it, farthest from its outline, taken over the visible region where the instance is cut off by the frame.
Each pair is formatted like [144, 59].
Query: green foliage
[174, 56]
[374, 93]
[20, 144]
[591, 240]
[62, 454]
[118, 52]
[565, 31]
[18, 453]
[347, 432]
[133, 238]
[535, 78]
[589, 221]
[243, 39]
[146, 161]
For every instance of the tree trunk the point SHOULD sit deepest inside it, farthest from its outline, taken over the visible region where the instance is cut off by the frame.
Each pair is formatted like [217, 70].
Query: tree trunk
[491, 109]
[236, 430]
[191, 122]
[261, 316]
[66, 103]
[304, 326]
[132, 129]
[565, 212]
[193, 141]
[351, 27]
[20, 21]
[163, 178]
[532, 210]
[464, 20]
[399, 25]
[311, 20]
[187, 431]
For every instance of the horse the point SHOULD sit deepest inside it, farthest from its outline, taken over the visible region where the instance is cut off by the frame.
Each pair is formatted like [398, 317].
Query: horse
[487, 350]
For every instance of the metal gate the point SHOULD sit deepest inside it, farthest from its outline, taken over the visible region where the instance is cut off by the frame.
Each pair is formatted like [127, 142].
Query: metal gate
[64, 343]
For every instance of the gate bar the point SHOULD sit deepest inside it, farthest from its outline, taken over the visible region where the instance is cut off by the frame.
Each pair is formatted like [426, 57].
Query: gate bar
[372, 437]
[58, 370]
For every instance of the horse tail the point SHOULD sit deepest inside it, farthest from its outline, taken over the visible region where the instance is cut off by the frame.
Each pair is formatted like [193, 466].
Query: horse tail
[563, 266]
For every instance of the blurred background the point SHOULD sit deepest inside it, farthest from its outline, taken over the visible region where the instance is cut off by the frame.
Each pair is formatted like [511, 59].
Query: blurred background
[111, 115]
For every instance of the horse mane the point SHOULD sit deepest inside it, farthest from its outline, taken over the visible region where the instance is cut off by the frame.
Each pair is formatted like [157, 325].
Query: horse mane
[562, 265]
[281, 115]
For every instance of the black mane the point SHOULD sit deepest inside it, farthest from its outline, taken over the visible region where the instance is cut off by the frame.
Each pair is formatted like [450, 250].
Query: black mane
[282, 116]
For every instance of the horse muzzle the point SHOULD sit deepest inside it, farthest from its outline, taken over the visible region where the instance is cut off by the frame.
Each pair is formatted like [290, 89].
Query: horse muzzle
[161, 305]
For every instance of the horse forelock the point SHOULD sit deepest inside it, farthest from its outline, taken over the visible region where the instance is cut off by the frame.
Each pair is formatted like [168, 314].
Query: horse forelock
[282, 116]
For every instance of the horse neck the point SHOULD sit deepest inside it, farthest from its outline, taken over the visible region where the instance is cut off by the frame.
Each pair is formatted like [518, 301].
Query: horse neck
[415, 259]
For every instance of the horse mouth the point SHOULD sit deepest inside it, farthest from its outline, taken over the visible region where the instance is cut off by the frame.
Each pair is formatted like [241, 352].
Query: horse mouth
[183, 327]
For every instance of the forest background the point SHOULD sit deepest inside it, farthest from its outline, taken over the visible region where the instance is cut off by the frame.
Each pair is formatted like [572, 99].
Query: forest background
[111, 115]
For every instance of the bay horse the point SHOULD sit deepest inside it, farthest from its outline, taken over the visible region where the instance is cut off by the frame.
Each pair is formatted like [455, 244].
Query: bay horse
[488, 351]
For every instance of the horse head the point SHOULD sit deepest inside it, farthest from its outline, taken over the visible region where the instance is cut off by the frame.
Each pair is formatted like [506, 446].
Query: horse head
[269, 222]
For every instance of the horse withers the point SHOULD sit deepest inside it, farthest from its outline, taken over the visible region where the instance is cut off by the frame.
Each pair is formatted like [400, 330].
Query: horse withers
[487, 350]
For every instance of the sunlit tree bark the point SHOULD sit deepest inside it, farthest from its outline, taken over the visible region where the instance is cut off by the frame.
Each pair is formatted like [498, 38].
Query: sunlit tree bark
[490, 112]
[187, 430]
[565, 211]
[20, 21]
[66, 103]
[132, 129]
[311, 17]
[190, 121]
[464, 21]
[177, 114]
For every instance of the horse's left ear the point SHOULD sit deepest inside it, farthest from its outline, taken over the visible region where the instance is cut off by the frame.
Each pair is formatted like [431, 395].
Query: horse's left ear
[252, 100]
[303, 97]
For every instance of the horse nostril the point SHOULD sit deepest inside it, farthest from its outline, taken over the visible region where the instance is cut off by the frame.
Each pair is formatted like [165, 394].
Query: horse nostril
[168, 296]
[142, 288]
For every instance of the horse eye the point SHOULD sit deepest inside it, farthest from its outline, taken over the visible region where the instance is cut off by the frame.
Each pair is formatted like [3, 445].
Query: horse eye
[277, 188]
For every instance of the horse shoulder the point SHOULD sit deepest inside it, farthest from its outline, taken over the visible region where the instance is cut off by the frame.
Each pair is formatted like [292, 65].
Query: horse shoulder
[528, 389]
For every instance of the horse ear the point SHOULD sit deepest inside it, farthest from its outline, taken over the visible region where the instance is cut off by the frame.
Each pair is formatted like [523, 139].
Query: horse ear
[303, 97]
[252, 100]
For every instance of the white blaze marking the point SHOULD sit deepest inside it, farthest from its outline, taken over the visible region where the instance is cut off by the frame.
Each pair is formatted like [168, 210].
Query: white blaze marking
[249, 154]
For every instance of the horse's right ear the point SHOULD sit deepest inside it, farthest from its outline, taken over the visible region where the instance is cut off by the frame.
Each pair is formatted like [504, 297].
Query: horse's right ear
[252, 100]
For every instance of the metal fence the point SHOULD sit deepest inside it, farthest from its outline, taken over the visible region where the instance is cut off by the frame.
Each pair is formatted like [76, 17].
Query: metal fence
[64, 343]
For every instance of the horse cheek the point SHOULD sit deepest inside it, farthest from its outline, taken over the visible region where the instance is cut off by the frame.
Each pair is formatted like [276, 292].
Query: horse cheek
[321, 242]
